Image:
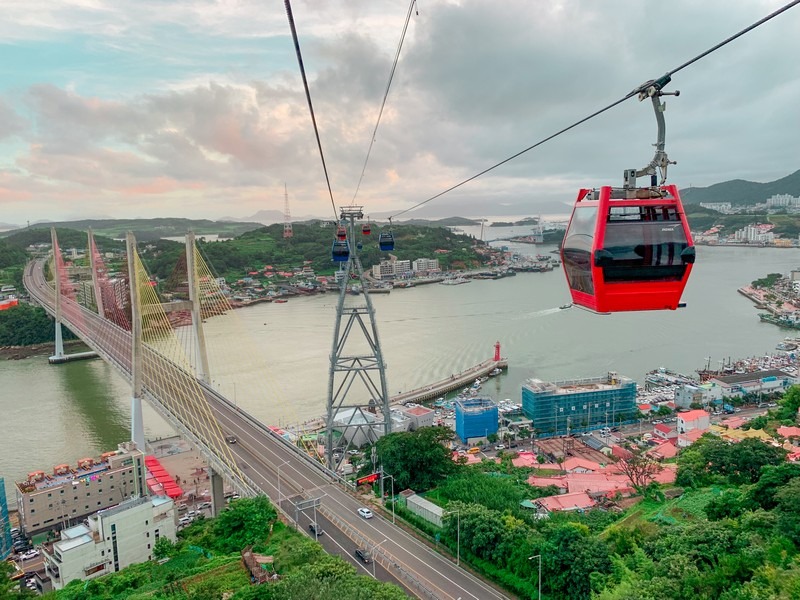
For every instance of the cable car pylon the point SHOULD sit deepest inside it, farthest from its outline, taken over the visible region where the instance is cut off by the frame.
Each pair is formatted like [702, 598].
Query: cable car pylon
[358, 399]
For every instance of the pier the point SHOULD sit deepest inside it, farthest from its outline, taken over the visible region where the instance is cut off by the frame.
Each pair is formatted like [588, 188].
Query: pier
[451, 384]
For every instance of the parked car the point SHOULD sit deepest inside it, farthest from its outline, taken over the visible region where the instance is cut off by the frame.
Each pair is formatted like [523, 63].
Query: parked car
[365, 512]
[363, 555]
[30, 554]
[500, 447]
[316, 529]
[203, 505]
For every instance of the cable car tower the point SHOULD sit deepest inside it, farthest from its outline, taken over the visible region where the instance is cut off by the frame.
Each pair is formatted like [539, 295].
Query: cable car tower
[358, 400]
[287, 219]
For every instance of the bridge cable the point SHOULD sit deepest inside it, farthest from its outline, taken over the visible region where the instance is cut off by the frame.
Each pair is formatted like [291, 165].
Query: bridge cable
[385, 96]
[665, 79]
[288, 5]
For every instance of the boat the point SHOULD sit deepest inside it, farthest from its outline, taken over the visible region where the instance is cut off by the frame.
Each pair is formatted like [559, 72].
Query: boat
[565, 306]
[455, 281]
[280, 301]
[786, 346]
[790, 322]
[495, 372]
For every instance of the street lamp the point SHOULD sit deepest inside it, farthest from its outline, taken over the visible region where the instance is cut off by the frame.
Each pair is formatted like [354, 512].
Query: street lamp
[539, 556]
[392, 478]
[458, 536]
[375, 547]
[280, 497]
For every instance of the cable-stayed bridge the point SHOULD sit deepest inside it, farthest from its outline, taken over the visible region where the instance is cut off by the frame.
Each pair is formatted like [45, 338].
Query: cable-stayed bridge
[140, 343]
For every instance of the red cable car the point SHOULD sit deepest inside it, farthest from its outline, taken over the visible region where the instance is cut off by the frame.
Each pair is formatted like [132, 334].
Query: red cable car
[341, 233]
[366, 229]
[628, 249]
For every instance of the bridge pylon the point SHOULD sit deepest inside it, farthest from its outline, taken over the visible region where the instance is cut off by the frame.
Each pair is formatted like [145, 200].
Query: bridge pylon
[58, 354]
[358, 400]
[137, 350]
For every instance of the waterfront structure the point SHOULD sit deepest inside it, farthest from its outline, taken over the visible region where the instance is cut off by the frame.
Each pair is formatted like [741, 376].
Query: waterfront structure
[425, 265]
[697, 394]
[562, 407]
[47, 501]
[757, 382]
[476, 418]
[110, 540]
[693, 420]
[5, 523]
[391, 269]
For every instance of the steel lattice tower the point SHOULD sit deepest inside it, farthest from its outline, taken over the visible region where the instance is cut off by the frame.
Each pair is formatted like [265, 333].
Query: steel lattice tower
[358, 400]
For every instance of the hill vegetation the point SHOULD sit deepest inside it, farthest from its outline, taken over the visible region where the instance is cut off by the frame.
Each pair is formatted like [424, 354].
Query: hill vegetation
[739, 191]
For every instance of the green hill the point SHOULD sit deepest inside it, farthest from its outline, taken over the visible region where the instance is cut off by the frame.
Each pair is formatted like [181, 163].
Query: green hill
[739, 191]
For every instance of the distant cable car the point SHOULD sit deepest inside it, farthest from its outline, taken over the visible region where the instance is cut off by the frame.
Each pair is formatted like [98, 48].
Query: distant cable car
[624, 252]
[341, 233]
[630, 248]
[340, 251]
[366, 228]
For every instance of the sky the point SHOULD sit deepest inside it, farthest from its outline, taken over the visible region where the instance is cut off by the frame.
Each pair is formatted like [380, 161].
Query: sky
[196, 108]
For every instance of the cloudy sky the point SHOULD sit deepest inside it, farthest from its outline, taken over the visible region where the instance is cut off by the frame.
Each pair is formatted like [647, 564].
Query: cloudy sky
[118, 109]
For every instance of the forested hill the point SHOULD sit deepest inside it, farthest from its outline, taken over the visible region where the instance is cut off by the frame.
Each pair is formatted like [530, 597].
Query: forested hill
[739, 191]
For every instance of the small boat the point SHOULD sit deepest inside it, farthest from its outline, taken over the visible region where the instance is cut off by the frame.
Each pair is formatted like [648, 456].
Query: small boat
[280, 301]
[494, 372]
[565, 306]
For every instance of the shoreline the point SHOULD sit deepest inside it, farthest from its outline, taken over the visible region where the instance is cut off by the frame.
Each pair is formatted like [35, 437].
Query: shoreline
[44, 349]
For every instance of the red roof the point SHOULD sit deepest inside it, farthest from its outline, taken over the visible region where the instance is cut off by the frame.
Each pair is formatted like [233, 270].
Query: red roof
[573, 501]
[788, 432]
[692, 415]
[663, 428]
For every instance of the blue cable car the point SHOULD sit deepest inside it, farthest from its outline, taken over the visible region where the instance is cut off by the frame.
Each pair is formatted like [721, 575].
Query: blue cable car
[340, 251]
[386, 241]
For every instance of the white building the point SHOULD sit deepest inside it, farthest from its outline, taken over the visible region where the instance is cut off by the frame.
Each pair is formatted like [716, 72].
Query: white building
[688, 394]
[110, 540]
[425, 265]
[781, 200]
[390, 269]
[693, 419]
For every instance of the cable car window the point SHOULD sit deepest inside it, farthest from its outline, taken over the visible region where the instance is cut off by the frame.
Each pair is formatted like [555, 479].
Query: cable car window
[577, 251]
[642, 213]
[644, 251]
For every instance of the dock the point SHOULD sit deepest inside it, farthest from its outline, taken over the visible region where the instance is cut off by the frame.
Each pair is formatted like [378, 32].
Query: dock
[451, 384]
[65, 358]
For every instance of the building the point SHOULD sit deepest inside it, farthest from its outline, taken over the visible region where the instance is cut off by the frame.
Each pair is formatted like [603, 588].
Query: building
[421, 416]
[575, 501]
[110, 540]
[426, 265]
[5, 523]
[693, 419]
[688, 394]
[757, 382]
[391, 269]
[359, 427]
[559, 407]
[476, 418]
[48, 501]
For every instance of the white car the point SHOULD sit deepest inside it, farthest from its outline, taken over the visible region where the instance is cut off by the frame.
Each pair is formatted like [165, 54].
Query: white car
[34, 553]
[365, 512]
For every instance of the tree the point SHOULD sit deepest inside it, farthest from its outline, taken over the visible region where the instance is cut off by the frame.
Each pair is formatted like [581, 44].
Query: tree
[246, 522]
[418, 459]
[641, 470]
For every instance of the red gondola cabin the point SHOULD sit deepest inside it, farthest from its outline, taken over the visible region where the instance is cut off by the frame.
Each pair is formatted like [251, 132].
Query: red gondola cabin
[628, 249]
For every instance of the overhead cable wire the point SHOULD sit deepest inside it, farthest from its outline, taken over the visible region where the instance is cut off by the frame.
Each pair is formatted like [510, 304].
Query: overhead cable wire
[661, 81]
[296, 41]
[385, 96]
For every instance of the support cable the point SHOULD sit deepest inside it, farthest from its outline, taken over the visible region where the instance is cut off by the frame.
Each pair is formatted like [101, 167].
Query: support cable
[296, 41]
[385, 96]
[658, 83]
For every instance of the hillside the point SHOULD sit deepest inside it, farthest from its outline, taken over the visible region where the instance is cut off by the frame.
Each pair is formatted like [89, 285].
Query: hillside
[739, 191]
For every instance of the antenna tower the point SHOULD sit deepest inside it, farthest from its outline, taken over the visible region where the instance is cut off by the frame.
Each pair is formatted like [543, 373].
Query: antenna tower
[287, 219]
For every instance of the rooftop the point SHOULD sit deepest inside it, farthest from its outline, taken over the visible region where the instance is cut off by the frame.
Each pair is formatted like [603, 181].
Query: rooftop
[418, 411]
[753, 376]
[692, 415]
[573, 386]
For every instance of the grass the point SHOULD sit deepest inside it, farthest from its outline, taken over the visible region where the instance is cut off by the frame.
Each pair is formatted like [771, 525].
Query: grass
[687, 508]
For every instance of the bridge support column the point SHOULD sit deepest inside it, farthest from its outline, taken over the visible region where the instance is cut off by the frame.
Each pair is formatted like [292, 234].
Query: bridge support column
[58, 355]
[137, 424]
[217, 491]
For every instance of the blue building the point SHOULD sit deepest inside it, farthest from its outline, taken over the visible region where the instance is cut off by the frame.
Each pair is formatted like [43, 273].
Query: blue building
[561, 407]
[475, 418]
[5, 524]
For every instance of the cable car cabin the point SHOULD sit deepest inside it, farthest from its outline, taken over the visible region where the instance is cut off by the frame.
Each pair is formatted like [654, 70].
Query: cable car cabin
[340, 251]
[341, 233]
[386, 241]
[366, 229]
[628, 249]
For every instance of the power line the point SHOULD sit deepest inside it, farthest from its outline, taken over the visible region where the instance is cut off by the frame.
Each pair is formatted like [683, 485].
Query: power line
[296, 41]
[659, 83]
[385, 95]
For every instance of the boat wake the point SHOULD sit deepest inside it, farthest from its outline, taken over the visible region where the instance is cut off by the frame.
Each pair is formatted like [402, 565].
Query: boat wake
[540, 313]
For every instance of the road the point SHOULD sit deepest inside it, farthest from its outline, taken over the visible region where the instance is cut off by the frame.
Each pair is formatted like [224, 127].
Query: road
[285, 475]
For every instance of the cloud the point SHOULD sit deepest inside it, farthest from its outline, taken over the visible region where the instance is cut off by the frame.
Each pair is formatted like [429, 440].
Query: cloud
[201, 104]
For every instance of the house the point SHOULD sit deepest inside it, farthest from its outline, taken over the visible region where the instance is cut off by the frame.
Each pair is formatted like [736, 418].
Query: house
[690, 437]
[645, 409]
[788, 432]
[665, 432]
[663, 451]
[579, 501]
[693, 419]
